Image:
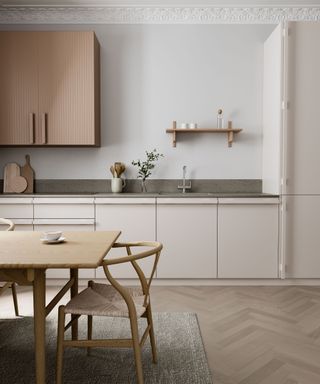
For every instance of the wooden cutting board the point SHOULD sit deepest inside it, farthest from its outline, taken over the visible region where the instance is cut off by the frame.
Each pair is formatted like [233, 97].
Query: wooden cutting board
[28, 173]
[13, 182]
[19, 184]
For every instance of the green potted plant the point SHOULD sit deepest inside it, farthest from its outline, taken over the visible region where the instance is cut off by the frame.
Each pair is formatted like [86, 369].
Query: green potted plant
[145, 167]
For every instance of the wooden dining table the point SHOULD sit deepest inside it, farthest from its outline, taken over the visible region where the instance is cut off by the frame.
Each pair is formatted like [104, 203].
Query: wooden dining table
[24, 259]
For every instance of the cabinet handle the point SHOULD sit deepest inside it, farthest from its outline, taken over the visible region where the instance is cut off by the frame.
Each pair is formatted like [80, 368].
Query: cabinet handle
[44, 128]
[31, 127]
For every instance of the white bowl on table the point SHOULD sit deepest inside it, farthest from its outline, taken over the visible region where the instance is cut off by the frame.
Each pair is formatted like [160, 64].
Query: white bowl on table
[51, 235]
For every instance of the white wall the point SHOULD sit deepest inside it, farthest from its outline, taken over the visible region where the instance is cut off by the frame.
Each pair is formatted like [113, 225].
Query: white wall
[153, 74]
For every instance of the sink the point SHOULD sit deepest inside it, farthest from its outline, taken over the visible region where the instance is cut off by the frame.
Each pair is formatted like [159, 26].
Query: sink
[180, 194]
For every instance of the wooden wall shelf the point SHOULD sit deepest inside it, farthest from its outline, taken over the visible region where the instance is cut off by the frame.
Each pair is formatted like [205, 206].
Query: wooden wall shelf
[229, 131]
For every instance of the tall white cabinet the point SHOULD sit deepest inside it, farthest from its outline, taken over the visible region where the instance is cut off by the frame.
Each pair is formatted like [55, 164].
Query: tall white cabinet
[301, 192]
[302, 236]
[291, 97]
[273, 61]
[302, 128]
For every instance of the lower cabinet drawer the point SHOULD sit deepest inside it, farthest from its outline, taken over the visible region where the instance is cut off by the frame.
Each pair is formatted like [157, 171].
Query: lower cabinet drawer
[63, 211]
[50, 208]
[16, 208]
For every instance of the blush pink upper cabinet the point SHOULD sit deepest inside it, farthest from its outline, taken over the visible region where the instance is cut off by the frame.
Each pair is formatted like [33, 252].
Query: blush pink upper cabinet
[55, 99]
[68, 89]
[18, 87]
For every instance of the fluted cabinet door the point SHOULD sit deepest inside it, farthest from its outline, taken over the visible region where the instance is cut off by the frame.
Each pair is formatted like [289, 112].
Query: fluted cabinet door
[18, 87]
[68, 88]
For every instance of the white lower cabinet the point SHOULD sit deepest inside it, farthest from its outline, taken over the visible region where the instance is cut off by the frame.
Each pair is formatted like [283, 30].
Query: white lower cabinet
[302, 236]
[19, 210]
[203, 238]
[63, 207]
[136, 219]
[67, 215]
[187, 227]
[248, 238]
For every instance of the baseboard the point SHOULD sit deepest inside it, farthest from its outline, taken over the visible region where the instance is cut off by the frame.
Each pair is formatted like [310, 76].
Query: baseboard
[204, 282]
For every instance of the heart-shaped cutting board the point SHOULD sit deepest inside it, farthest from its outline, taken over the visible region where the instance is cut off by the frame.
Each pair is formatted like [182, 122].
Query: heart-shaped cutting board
[13, 182]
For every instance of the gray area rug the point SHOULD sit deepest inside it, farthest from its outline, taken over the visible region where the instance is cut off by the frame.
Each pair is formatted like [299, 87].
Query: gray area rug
[181, 355]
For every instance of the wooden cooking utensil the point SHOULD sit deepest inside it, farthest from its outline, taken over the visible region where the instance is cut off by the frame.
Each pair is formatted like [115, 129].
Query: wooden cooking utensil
[117, 168]
[123, 167]
[120, 168]
[112, 170]
[28, 173]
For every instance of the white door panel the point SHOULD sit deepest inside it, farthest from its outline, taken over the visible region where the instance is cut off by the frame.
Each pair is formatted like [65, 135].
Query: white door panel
[248, 241]
[302, 237]
[136, 223]
[189, 237]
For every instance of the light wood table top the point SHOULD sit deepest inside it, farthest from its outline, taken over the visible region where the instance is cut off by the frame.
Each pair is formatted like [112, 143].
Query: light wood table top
[25, 258]
[80, 250]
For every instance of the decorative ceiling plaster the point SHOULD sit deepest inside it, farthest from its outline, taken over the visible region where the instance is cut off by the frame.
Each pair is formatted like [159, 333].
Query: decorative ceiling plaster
[154, 15]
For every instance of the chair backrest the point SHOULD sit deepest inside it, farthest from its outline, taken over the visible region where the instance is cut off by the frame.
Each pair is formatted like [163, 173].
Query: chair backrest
[7, 222]
[153, 249]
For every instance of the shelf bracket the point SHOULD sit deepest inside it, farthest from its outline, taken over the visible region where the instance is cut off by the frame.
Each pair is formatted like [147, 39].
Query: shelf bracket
[174, 134]
[230, 134]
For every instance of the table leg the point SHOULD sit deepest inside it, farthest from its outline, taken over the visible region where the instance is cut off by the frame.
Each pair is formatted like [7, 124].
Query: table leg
[74, 292]
[39, 304]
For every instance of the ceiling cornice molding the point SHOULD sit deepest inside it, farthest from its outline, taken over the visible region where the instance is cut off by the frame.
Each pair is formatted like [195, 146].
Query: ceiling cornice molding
[155, 14]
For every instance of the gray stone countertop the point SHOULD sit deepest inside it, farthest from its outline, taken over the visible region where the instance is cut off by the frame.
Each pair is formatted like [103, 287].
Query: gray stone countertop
[156, 188]
[185, 195]
[146, 195]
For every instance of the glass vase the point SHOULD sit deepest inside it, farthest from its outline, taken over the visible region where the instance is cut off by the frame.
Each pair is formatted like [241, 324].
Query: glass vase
[143, 186]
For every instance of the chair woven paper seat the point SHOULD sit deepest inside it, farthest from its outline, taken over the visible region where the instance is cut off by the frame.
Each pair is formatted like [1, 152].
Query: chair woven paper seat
[105, 300]
[114, 300]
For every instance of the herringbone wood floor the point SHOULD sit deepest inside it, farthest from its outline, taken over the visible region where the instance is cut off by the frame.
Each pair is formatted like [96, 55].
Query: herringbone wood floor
[252, 335]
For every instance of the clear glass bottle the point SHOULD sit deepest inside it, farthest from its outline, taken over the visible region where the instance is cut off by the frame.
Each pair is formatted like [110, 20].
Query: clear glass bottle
[220, 122]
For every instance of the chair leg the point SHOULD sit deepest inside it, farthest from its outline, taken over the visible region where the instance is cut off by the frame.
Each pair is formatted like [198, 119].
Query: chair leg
[136, 348]
[89, 333]
[60, 340]
[151, 333]
[15, 300]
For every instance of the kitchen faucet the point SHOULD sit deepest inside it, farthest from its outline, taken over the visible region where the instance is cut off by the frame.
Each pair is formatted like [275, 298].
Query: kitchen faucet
[184, 186]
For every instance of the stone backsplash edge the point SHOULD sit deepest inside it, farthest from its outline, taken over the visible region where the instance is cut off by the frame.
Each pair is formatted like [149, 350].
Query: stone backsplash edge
[83, 186]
